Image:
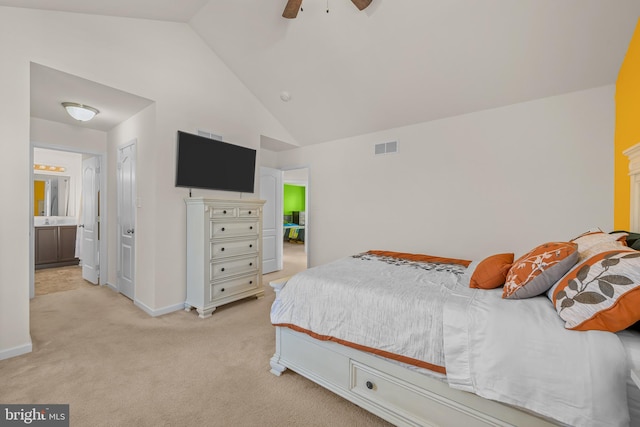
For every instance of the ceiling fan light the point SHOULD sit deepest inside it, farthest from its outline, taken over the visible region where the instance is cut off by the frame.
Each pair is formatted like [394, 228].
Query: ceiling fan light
[80, 112]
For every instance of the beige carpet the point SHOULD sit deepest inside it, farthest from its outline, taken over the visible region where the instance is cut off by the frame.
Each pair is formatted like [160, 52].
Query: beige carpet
[50, 280]
[116, 366]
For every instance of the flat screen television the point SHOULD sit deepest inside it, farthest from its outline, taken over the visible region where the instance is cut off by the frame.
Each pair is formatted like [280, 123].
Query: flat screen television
[215, 165]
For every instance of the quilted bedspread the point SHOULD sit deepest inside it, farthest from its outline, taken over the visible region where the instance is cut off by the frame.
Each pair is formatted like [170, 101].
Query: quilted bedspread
[390, 306]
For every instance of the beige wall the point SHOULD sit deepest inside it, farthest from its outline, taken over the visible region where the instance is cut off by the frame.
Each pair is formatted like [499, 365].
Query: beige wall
[500, 180]
[165, 62]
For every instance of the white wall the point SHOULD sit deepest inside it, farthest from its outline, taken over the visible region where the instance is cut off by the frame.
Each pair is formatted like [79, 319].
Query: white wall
[64, 136]
[267, 158]
[162, 61]
[501, 180]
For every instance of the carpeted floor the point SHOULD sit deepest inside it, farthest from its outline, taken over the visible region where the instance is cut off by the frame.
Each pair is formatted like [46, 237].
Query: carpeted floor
[50, 280]
[116, 366]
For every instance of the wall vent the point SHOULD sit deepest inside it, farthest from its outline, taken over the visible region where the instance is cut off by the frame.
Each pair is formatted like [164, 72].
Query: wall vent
[386, 147]
[210, 135]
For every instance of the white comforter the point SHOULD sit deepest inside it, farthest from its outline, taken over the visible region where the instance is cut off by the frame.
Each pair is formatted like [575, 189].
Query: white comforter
[513, 351]
[518, 352]
[372, 302]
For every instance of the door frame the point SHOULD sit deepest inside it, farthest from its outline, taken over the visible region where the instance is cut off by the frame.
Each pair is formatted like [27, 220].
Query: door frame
[102, 157]
[307, 206]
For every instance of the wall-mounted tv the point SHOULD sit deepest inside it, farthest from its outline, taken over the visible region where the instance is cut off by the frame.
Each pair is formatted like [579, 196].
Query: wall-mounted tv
[215, 165]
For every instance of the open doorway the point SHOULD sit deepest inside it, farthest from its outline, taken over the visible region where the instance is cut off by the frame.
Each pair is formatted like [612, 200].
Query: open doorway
[285, 221]
[66, 228]
[295, 199]
[120, 116]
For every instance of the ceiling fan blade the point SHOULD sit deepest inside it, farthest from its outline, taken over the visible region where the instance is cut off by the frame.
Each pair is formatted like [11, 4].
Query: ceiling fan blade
[361, 4]
[291, 9]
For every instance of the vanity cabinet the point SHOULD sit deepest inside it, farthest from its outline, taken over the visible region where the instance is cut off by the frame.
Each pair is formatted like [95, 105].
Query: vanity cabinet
[55, 246]
[224, 252]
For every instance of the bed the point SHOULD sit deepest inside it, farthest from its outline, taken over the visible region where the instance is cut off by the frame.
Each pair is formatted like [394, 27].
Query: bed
[406, 337]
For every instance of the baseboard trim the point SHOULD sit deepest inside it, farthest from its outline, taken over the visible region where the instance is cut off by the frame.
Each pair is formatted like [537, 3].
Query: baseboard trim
[150, 311]
[159, 312]
[16, 351]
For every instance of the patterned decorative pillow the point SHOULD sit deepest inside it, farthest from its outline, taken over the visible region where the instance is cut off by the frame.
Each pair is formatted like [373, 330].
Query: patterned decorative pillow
[594, 242]
[601, 293]
[600, 247]
[491, 272]
[535, 272]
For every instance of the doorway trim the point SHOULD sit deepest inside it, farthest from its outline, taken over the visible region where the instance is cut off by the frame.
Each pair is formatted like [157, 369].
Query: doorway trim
[307, 233]
[102, 157]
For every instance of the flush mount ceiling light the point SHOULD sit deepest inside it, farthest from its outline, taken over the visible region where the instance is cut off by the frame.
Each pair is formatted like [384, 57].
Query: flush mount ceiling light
[80, 112]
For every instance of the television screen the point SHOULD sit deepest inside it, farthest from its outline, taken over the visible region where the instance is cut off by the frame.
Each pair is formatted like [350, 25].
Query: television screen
[215, 165]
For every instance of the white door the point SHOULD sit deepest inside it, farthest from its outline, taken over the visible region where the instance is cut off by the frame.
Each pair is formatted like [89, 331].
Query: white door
[90, 220]
[126, 181]
[271, 191]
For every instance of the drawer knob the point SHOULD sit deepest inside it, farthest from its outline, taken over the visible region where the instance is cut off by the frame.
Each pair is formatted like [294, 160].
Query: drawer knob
[221, 249]
[251, 282]
[369, 384]
[250, 246]
[251, 227]
[224, 212]
[222, 269]
[249, 212]
[222, 290]
[250, 264]
[222, 229]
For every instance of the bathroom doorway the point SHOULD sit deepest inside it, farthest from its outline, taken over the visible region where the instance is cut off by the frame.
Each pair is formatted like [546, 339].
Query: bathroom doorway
[60, 190]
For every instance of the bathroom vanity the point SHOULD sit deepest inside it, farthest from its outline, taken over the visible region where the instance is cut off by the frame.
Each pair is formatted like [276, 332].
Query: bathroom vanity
[55, 246]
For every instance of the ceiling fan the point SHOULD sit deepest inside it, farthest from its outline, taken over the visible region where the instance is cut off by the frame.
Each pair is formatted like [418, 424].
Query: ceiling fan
[293, 6]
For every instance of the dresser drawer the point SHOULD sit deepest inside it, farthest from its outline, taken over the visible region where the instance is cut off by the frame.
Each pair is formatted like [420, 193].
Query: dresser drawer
[223, 212]
[231, 267]
[417, 406]
[221, 229]
[234, 247]
[232, 287]
[248, 212]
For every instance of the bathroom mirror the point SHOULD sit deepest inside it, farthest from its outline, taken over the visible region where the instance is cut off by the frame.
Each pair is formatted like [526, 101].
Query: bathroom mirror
[51, 195]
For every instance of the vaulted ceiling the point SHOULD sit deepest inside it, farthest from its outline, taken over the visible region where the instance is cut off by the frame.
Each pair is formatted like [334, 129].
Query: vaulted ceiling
[398, 62]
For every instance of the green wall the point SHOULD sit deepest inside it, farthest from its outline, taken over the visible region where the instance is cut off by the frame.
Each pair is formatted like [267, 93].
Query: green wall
[293, 198]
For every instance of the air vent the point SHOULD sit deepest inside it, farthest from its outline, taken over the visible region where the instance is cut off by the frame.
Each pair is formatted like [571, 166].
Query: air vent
[386, 147]
[209, 135]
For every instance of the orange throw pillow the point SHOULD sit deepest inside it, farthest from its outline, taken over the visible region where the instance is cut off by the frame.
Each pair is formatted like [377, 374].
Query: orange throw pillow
[539, 269]
[491, 272]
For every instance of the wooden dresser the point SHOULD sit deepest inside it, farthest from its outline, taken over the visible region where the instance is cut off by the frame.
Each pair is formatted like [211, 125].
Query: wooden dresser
[224, 252]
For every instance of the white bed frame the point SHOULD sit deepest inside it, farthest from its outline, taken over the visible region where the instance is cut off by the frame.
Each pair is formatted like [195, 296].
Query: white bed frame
[395, 393]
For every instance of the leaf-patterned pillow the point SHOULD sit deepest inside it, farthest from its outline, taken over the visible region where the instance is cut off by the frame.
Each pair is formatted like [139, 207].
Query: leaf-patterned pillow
[601, 293]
